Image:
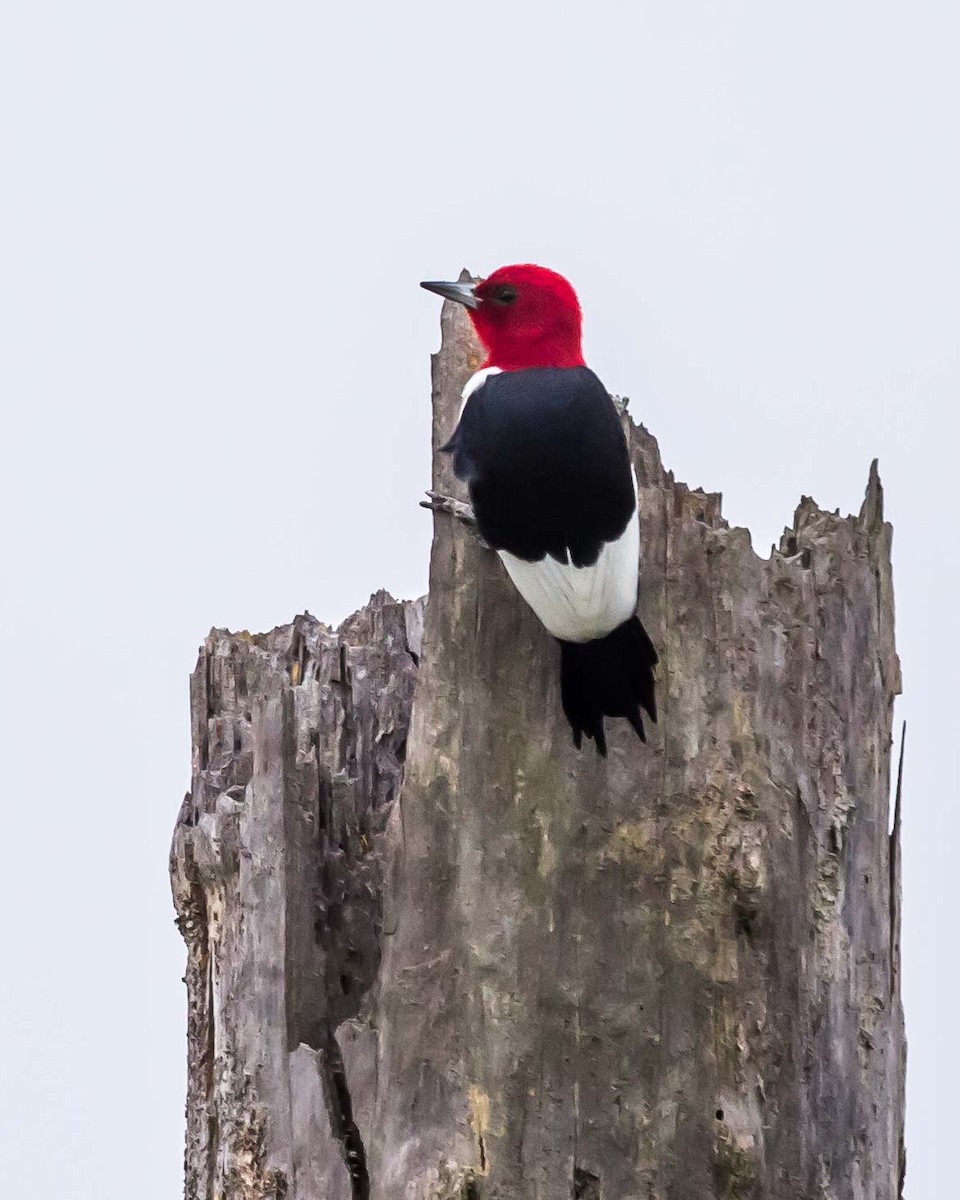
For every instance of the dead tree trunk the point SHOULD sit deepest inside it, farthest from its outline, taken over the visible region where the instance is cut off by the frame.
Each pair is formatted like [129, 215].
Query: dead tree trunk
[670, 975]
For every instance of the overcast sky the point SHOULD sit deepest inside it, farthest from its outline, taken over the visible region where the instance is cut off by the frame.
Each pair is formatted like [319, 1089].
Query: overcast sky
[214, 357]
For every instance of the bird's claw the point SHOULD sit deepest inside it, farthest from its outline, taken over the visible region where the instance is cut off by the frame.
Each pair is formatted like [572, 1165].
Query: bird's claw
[457, 509]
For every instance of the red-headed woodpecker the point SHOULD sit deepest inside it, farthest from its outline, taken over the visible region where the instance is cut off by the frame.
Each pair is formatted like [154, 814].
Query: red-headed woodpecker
[542, 451]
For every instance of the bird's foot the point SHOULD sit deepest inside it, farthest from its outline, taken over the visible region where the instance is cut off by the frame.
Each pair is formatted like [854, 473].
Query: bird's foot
[457, 509]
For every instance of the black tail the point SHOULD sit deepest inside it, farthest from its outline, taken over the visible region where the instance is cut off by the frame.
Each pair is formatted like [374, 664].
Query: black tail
[609, 677]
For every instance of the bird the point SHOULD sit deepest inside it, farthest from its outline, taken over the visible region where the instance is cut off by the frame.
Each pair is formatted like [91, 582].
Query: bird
[541, 448]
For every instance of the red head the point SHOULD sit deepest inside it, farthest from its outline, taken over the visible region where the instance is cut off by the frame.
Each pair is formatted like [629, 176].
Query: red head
[526, 316]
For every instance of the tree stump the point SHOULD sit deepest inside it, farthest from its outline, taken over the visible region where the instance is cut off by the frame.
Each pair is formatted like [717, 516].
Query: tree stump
[529, 972]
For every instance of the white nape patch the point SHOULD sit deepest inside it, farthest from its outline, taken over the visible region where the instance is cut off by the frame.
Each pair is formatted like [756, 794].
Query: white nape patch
[477, 379]
[580, 604]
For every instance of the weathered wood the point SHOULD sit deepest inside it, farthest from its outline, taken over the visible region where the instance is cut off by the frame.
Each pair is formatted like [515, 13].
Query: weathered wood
[299, 737]
[670, 975]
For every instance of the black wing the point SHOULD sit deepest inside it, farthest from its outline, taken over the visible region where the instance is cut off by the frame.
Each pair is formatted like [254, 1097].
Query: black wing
[543, 454]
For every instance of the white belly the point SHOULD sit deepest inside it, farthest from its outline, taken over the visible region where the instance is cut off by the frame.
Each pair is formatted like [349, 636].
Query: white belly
[579, 604]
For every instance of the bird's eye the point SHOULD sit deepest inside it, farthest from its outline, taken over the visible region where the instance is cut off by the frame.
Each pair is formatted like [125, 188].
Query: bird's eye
[505, 294]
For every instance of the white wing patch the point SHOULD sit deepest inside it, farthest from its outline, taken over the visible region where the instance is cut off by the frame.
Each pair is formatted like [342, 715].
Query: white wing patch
[579, 604]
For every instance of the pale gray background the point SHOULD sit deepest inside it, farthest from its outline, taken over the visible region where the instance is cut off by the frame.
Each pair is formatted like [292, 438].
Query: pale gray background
[215, 372]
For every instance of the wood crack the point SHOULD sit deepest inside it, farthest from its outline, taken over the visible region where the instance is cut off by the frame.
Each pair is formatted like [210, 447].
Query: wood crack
[342, 1123]
[894, 863]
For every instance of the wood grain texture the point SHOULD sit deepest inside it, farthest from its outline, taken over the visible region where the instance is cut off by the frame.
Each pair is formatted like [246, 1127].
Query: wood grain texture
[670, 975]
[277, 863]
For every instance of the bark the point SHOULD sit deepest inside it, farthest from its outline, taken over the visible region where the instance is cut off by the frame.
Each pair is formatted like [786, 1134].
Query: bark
[669, 975]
